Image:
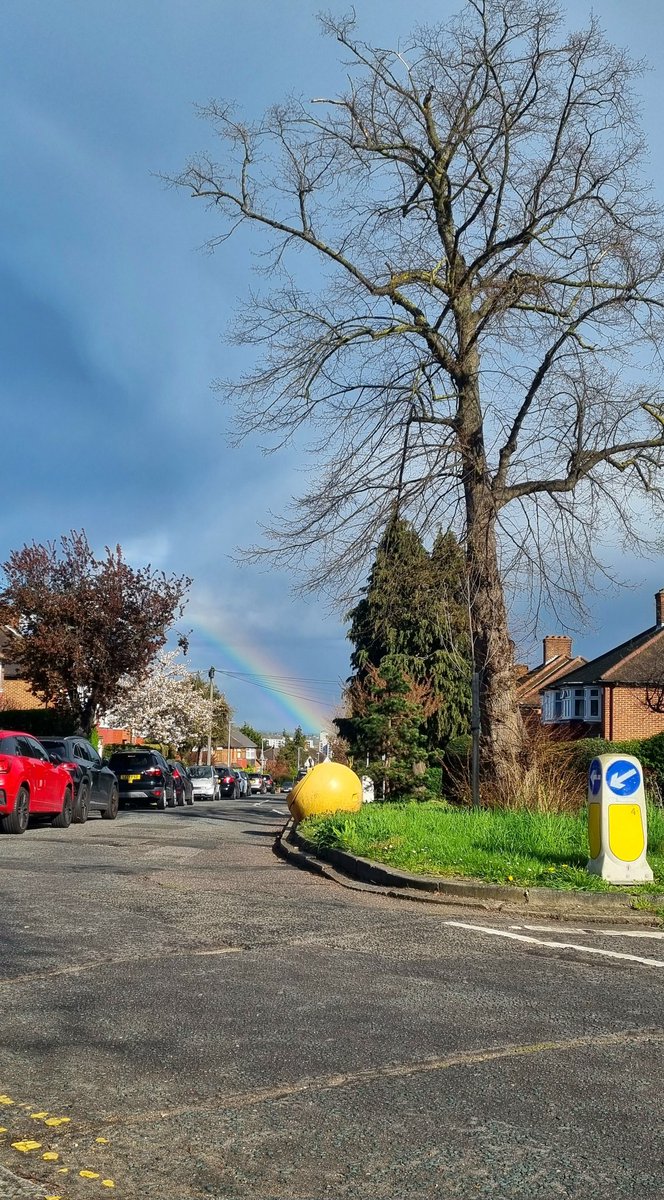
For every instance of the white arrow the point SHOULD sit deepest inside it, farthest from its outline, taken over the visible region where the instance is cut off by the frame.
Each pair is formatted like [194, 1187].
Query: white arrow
[595, 777]
[618, 781]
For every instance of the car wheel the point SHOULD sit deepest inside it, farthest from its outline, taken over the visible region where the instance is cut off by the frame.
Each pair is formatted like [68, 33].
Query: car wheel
[170, 800]
[180, 799]
[162, 801]
[190, 799]
[17, 822]
[82, 807]
[111, 811]
[64, 817]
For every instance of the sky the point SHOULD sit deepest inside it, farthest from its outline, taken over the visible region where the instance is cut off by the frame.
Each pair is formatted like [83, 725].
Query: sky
[113, 320]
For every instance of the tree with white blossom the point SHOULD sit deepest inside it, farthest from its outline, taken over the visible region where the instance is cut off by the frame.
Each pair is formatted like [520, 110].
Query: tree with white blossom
[164, 705]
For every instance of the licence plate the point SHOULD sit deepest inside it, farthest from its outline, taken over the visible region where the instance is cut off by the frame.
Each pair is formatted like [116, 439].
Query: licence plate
[130, 778]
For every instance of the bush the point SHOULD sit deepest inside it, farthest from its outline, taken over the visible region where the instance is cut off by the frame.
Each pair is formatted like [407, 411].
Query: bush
[433, 781]
[40, 722]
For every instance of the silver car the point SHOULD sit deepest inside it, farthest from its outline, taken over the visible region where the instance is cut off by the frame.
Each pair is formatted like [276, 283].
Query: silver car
[204, 782]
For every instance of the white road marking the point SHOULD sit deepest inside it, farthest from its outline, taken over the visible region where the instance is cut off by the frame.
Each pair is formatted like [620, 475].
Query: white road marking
[520, 937]
[627, 933]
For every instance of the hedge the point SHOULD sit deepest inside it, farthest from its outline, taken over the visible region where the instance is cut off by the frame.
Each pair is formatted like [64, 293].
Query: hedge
[40, 722]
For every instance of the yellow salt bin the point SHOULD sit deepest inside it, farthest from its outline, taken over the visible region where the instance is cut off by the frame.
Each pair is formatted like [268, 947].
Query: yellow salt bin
[329, 787]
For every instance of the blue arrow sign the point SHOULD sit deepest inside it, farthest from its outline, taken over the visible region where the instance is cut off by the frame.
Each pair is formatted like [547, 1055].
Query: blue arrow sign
[623, 777]
[594, 776]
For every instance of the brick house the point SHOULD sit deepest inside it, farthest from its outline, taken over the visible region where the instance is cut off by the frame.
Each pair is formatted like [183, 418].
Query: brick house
[557, 660]
[615, 695]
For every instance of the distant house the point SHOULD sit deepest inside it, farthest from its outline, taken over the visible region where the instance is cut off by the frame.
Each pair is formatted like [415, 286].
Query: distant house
[557, 660]
[242, 752]
[614, 696]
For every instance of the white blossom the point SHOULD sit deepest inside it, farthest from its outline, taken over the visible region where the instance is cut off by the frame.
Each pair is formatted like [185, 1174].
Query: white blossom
[163, 705]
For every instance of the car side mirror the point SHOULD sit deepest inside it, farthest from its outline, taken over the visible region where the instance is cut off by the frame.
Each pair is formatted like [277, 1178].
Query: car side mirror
[54, 758]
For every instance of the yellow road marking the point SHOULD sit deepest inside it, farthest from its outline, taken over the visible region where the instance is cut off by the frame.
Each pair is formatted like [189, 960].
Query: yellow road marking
[89, 1174]
[463, 1058]
[26, 1146]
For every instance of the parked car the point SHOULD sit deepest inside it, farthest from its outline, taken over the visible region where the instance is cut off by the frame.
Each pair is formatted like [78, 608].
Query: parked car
[204, 782]
[256, 784]
[184, 789]
[244, 782]
[286, 785]
[269, 783]
[228, 782]
[31, 784]
[242, 787]
[95, 786]
[143, 774]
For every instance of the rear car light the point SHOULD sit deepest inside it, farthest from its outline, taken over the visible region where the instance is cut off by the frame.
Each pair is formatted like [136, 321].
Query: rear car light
[71, 766]
[5, 766]
[155, 772]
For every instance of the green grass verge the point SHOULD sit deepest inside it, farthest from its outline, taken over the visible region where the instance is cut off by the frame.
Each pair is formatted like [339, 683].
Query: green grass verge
[522, 848]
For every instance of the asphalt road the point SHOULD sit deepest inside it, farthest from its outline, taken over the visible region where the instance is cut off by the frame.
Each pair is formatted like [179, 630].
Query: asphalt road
[198, 1019]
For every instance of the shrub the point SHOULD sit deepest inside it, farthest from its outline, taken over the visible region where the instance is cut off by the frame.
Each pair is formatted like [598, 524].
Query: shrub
[40, 722]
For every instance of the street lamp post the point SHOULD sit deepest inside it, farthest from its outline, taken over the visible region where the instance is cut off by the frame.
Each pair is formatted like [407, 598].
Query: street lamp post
[209, 745]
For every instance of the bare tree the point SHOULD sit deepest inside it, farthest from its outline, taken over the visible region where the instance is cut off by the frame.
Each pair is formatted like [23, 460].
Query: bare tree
[488, 259]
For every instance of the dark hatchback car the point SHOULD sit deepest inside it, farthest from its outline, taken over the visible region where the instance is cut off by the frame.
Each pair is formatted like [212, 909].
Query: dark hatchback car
[184, 789]
[143, 775]
[95, 786]
[228, 784]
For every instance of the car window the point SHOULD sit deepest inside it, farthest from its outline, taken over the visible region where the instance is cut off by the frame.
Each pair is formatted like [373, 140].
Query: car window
[200, 772]
[81, 751]
[55, 746]
[8, 745]
[131, 762]
[34, 750]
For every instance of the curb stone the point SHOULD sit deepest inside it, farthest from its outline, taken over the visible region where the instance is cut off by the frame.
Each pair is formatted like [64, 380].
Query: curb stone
[361, 874]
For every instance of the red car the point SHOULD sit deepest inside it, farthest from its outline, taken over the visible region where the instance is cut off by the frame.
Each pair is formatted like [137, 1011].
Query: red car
[31, 784]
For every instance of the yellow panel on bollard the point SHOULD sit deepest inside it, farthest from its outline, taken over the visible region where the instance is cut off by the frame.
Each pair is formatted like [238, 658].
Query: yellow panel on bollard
[329, 787]
[617, 823]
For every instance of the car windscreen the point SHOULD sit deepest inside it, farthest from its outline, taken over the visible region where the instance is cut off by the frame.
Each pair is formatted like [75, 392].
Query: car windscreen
[130, 762]
[200, 772]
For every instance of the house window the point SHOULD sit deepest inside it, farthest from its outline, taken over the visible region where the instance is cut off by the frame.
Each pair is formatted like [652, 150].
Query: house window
[572, 704]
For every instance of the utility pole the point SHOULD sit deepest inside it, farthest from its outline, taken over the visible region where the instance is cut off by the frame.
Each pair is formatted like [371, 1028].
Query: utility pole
[229, 741]
[262, 754]
[209, 745]
[475, 729]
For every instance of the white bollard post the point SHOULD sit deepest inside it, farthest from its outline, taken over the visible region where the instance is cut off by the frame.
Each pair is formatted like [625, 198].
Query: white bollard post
[617, 824]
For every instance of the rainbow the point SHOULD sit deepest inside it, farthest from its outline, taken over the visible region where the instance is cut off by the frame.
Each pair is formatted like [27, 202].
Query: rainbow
[292, 706]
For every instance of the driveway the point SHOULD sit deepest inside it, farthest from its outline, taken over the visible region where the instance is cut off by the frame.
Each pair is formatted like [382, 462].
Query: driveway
[186, 1016]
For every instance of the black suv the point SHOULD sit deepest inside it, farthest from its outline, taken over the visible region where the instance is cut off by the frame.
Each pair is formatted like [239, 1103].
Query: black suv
[228, 784]
[95, 786]
[143, 775]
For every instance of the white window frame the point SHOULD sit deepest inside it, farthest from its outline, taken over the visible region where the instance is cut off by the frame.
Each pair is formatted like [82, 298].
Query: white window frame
[560, 704]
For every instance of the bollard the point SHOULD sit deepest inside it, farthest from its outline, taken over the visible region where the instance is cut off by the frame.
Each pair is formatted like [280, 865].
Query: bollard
[326, 788]
[617, 823]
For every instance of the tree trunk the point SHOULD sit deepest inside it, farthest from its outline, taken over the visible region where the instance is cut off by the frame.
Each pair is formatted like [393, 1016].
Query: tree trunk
[502, 730]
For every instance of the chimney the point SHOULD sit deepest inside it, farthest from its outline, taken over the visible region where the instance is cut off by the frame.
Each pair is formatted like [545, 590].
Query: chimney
[558, 645]
[659, 608]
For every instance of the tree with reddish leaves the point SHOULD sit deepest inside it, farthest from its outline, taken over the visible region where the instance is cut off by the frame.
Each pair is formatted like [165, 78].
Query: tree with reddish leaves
[86, 622]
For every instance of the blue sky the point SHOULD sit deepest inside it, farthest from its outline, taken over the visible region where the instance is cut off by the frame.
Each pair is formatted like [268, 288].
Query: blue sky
[112, 320]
